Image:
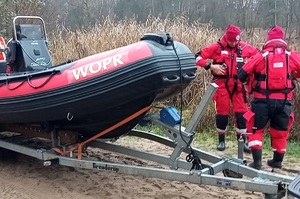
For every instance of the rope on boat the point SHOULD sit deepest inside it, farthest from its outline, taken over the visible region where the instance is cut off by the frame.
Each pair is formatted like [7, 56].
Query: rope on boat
[44, 83]
[9, 88]
[29, 81]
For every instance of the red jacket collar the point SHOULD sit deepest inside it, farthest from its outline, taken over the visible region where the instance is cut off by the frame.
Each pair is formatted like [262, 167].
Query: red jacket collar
[269, 45]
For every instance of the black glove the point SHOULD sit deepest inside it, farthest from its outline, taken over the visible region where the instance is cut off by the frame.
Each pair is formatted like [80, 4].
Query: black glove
[197, 54]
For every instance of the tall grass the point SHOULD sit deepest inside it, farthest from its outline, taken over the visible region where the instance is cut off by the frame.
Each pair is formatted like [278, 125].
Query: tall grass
[65, 44]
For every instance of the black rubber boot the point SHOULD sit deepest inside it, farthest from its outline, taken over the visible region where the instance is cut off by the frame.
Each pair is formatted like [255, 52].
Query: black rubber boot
[256, 164]
[276, 162]
[246, 147]
[221, 145]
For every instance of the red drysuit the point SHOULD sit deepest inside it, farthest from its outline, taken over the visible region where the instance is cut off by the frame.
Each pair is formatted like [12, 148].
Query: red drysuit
[230, 88]
[268, 103]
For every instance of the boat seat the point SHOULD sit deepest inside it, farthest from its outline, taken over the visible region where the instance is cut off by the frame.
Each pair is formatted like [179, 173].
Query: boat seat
[29, 52]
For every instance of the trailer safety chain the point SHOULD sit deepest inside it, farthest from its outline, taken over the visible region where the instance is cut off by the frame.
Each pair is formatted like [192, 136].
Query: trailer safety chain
[197, 164]
[79, 146]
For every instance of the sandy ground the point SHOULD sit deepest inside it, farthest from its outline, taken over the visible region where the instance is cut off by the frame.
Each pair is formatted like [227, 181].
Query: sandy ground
[27, 178]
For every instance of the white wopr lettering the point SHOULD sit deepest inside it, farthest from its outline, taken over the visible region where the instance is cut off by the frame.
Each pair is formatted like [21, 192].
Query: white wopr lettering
[117, 60]
[81, 71]
[99, 66]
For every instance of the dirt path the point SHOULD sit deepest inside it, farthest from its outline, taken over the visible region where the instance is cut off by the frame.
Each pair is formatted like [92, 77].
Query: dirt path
[27, 178]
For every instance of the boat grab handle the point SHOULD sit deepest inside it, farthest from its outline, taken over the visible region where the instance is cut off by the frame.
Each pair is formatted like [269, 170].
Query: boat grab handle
[170, 79]
[189, 77]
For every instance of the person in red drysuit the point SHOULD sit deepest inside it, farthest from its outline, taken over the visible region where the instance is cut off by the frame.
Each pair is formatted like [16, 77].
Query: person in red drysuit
[274, 70]
[224, 58]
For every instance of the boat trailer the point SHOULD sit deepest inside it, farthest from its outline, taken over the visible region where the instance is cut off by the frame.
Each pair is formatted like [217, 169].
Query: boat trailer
[235, 172]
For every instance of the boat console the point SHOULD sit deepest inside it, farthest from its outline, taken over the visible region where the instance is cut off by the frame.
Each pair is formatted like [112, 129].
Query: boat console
[28, 48]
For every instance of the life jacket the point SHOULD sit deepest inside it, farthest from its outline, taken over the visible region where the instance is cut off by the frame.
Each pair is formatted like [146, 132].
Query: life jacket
[277, 77]
[239, 60]
[226, 76]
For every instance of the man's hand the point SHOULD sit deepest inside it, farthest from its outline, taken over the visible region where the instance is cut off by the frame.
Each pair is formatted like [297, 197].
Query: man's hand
[217, 69]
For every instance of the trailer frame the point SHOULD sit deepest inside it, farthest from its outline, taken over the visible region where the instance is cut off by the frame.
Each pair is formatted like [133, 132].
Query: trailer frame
[191, 170]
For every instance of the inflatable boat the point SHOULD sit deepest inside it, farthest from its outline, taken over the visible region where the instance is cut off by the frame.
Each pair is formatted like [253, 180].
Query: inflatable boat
[91, 94]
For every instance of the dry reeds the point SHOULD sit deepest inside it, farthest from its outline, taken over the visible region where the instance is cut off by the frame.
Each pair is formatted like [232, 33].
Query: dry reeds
[65, 44]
